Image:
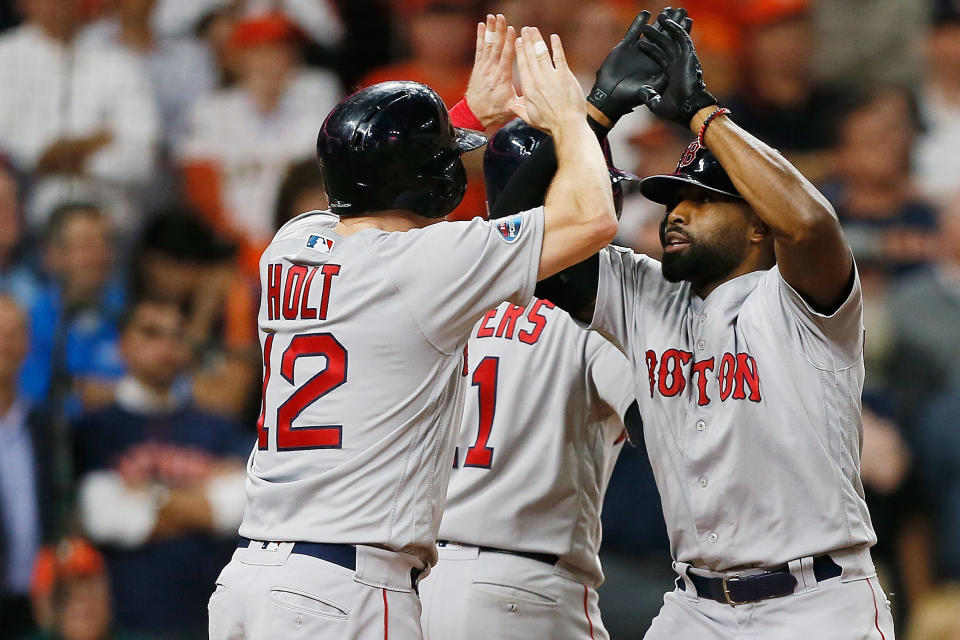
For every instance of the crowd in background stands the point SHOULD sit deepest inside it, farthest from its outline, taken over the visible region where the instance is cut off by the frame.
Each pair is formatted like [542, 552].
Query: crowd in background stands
[150, 148]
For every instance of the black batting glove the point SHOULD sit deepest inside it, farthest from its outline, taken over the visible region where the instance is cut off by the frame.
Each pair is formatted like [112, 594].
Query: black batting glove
[627, 69]
[685, 92]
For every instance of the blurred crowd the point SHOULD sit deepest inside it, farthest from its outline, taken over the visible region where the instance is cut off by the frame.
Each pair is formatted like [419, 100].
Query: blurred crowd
[150, 148]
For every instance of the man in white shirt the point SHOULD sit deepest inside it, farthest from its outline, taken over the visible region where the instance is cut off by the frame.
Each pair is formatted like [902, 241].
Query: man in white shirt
[249, 134]
[80, 115]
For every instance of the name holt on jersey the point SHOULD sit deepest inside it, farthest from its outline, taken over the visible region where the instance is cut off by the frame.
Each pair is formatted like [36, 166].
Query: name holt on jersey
[289, 295]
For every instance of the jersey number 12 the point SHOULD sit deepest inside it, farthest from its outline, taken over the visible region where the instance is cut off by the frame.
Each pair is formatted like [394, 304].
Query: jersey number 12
[334, 374]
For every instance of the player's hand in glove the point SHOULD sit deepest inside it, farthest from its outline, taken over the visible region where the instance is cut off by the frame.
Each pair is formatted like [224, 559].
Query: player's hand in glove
[627, 69]
[685, 92]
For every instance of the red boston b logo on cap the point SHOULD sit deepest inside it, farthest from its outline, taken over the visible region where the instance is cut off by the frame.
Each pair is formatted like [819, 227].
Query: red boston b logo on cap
[689, 155]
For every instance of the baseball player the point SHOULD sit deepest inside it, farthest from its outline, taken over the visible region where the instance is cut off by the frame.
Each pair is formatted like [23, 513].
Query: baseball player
[542, 428]
[746, 347]
[363, 323]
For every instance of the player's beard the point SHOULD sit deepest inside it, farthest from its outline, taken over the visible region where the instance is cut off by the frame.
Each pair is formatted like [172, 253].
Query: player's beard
[704, 262]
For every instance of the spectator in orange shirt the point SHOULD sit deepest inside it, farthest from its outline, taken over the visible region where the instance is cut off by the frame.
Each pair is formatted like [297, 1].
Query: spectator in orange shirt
[441, 39]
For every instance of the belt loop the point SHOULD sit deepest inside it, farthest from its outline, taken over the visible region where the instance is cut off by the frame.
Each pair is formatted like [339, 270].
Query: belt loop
[795, 567]
[808, 574]
[681, 569]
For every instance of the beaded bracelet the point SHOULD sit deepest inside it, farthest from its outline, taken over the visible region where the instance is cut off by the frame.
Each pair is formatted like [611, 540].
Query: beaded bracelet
[707, 121]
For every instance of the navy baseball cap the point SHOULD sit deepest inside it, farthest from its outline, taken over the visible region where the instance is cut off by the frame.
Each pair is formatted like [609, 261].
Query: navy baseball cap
[697, 167]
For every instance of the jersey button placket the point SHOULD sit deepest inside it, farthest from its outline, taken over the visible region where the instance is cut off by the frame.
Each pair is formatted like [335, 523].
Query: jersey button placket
[701, 425]
[701, 345]
[702, 481]
[713, 537]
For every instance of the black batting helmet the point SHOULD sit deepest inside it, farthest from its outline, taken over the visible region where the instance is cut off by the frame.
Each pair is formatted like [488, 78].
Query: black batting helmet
[510, 148]
[697, 167]
[391, 146]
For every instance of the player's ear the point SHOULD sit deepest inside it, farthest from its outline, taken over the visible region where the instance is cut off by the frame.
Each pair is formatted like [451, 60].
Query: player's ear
[759, 230]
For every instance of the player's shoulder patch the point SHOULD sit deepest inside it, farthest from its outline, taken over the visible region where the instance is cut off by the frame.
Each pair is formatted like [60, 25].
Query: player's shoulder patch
[510, 227]
[319, 243]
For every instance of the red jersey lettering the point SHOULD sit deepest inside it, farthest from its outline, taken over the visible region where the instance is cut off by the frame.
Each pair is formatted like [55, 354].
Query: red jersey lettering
[538, 321]
[308, 312]
[509, 321]
[699, 373]
[483, 331]
[727, 366]
[651, 358]
[292, 289]
[274, 274]
[328, 271]
[746, 376]
[671, 365]
[738, 376]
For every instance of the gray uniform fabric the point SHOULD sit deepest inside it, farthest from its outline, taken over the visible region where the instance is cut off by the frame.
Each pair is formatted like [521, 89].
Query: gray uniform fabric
[400, 306]
[542, 429]
[560, 395]
[751, 404]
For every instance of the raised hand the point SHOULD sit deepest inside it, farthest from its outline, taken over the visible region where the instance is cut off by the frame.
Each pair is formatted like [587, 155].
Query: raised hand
[685, 92]
[491, 88]
[552, 97]
[627, 69]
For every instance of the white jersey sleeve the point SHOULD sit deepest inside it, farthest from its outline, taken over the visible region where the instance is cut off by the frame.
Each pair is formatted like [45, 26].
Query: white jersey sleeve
[829, 341]
[627, 283]
[471, 271]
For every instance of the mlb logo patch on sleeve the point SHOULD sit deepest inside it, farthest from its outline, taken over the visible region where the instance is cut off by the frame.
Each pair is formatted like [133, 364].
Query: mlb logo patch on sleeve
[320, 243]
[510, 227]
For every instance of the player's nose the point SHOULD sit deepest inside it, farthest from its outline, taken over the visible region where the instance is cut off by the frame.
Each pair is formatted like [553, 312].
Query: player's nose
[680, 213]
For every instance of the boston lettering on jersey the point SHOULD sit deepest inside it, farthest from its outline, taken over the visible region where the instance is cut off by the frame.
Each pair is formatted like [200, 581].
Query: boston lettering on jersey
[737, 375]
[288, 295]
[531, 326]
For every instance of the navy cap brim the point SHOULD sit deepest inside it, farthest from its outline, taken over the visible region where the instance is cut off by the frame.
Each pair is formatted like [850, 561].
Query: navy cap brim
[468, 140]
[663, 188]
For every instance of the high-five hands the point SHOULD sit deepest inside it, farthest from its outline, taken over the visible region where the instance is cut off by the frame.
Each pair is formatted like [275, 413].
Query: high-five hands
[627, 69]
[685, 93]
[552, 96]
[491, 88]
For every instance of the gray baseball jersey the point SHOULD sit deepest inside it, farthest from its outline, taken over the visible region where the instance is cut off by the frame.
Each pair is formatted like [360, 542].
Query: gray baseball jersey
[363, 340]
[542, 428]
[751, 404]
